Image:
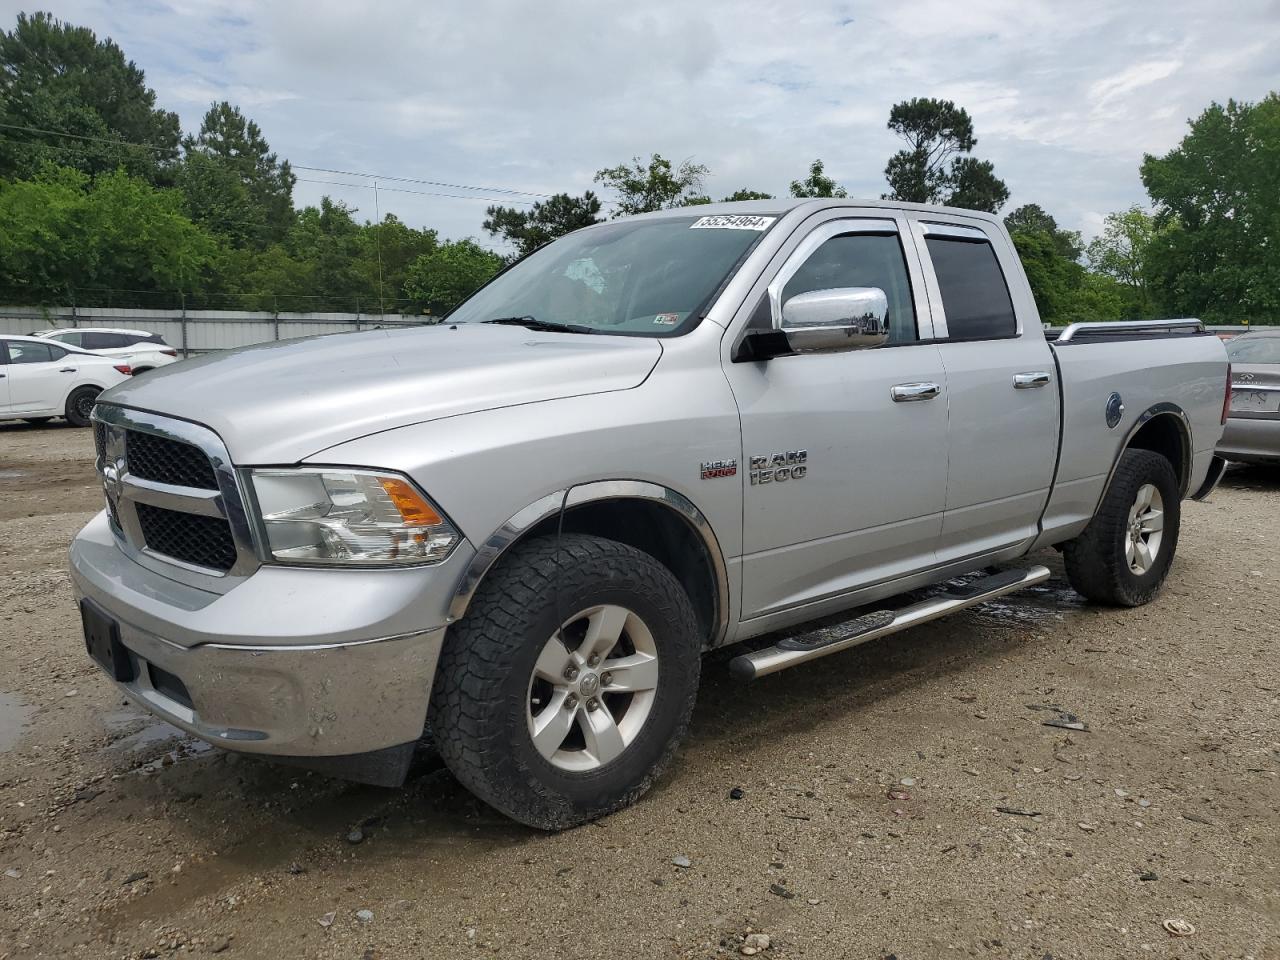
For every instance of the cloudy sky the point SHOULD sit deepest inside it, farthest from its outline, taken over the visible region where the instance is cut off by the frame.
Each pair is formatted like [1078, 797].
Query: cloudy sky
[536, 96]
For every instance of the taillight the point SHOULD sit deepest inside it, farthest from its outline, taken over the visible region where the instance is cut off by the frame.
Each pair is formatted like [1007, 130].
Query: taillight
[1226, 399]
[125, 369]
[170, 353]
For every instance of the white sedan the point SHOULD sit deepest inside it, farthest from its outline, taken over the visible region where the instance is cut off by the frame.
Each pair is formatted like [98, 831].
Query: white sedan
[40, 380]
[143, 351]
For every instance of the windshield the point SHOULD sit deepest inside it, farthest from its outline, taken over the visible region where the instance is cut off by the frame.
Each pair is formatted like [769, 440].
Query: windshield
[636, 278]
[1254, 349]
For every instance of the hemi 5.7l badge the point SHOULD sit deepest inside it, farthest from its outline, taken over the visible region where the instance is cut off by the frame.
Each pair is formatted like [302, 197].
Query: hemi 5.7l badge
[714, 469]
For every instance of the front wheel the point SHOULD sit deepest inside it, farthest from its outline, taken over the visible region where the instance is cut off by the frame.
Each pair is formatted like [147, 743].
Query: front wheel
[80, 405]
[1124, 554]
[563, 693]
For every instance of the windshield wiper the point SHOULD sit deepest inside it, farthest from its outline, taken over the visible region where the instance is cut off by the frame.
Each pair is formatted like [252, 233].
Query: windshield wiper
[533, 323]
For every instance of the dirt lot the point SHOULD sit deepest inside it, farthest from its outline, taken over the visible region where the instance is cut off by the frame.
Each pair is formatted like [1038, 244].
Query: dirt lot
[870, 823]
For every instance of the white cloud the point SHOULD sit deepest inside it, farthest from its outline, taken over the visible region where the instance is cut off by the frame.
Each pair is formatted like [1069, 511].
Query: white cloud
[1112, 88]
[1066, 99]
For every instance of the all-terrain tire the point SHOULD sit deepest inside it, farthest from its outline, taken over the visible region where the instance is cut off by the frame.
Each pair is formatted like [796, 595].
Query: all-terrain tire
[79, 405]
[1096, 563]
[480, 705]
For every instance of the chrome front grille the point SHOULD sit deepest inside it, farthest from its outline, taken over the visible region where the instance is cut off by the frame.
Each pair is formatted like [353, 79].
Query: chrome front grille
[153, 457]
[189, 537]
[173, 497]
[100, 441]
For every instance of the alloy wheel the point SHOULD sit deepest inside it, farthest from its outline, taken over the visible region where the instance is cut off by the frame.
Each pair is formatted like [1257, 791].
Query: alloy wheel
[592, 688]
[1145, 530]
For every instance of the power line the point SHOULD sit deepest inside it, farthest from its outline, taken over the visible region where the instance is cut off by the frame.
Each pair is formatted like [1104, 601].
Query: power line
[421, 193]
[330, 183]
[84, 136]
[297, 166]
[430, 183]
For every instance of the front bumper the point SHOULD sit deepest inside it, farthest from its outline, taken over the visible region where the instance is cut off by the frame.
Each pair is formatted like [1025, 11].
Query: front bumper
[1251, 440]
[291, 662]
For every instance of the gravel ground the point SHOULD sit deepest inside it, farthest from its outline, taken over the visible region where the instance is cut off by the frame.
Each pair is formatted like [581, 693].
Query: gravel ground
[886, 795]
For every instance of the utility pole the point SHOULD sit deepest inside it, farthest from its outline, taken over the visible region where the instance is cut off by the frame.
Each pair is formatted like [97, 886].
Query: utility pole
[382, 307]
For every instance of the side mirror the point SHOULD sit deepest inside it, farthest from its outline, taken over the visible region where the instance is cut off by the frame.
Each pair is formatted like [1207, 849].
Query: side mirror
[844, 318]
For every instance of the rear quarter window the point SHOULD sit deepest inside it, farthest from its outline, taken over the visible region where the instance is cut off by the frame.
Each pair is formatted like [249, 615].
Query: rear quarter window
[975, 296]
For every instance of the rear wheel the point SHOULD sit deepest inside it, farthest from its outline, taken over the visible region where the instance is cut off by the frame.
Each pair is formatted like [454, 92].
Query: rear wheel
[80, 405]
[563, 693]
[1124, 554]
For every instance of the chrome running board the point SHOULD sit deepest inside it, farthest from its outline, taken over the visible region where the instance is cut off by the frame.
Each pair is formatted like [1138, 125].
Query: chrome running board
[802, 648]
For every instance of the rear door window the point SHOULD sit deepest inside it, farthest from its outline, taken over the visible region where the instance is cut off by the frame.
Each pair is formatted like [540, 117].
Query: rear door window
[22, 351]
[106, 341]
[975, 296]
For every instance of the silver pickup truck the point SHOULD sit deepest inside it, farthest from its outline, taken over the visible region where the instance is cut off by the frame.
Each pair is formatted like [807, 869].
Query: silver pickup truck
[656, 436]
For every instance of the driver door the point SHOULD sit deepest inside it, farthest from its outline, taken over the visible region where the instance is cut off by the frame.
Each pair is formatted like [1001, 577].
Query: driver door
[866, 427]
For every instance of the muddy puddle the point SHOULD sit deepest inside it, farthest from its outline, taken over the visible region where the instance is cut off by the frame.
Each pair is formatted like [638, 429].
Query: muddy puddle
[147, 743]
[1041, 605]
[14, 718]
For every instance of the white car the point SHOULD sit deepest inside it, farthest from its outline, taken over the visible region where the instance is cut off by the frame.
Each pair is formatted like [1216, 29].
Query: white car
[40, 380]
[144, 351]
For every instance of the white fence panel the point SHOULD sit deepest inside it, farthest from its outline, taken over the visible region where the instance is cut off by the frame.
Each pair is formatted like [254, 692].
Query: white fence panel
[200, 331]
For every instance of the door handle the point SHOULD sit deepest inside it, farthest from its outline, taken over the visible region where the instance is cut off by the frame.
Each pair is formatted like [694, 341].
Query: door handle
[1029, 381]
[67, 370]
[911, 392]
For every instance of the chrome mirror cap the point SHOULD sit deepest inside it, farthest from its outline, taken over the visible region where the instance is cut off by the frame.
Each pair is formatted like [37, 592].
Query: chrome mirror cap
[843, 318]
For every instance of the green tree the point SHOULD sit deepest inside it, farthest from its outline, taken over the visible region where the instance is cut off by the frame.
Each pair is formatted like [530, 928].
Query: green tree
[1054, 279]
[328, 239]
[745, 194]
[1217, 198]
[1032, 218]
[643, 188]
[271, 279]
[936, 167]
[1122, 252]
[816, 184]
[387, 251]
[66, 233]
[236, 152]
[527, 230]
[975, 186]
[216, 198]
[61, 78]
[442, 279]
[1099, 298]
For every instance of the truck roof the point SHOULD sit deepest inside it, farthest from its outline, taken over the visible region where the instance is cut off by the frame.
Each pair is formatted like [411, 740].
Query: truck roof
[783, 205]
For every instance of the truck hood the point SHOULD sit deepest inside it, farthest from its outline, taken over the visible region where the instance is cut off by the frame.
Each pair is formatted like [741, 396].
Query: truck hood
[277, 403]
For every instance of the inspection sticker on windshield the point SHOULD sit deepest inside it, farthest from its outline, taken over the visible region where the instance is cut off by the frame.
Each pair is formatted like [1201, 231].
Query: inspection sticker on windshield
[726, 221]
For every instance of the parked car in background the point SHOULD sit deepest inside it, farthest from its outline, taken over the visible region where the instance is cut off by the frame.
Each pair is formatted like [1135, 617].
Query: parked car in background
[144, 351]
[1252, 434]
[40, 380]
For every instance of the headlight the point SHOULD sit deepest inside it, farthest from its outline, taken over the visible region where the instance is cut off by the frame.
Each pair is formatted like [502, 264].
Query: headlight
[335, 516]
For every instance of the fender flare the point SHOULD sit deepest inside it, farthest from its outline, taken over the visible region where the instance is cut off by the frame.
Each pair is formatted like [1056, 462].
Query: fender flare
[596, 491]
[1164, 408]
